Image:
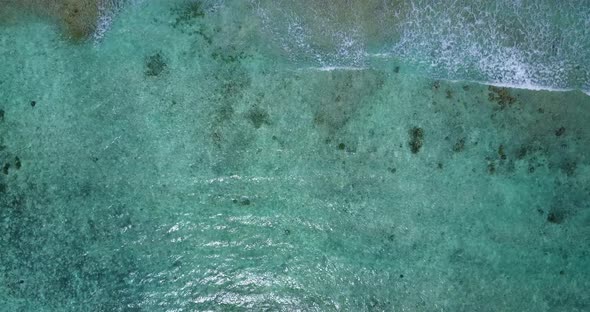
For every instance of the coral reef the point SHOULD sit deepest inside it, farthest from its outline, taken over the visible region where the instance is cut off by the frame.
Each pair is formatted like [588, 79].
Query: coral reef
[501, 96]
[416, 139]
[155, 65]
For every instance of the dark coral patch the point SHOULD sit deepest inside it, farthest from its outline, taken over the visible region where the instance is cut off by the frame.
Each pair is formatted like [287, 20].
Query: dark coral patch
[501, 96]
[416, 139]
[155, 65]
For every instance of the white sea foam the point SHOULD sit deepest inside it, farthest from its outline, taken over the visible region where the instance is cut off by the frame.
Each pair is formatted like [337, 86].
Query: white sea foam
[507, 43]
[516, 86]
[103, 24]
[333, 68]
[107, 9]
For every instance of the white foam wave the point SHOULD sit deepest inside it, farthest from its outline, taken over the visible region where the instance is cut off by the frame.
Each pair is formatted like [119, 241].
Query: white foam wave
[516, 86]
[536, 45]
[107, 9]
[103, 24]
[333, 68]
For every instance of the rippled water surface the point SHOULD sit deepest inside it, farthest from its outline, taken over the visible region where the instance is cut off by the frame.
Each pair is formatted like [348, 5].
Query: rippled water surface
[294, 155]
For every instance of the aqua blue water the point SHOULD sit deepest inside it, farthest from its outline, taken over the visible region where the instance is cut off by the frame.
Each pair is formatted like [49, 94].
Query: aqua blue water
[295, 156]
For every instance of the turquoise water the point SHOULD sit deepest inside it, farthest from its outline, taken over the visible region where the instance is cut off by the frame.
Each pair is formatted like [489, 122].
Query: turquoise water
[295, 156]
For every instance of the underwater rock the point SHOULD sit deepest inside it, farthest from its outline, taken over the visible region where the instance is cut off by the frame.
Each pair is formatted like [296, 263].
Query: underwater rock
[258, 117]
[501, 96]
[556, 216]
[243, 201]
[186, 14]
[501, 152]
[155, 65]
[459, 146]
[569, 168]
[491, 167]
[560, 131]
[17, 163]
[416, 139]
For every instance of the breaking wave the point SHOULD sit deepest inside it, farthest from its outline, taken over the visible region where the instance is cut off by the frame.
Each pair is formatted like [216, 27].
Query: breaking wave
[540, 44]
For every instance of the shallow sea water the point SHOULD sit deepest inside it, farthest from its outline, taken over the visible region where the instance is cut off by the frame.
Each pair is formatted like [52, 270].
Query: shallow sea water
[186, 160]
